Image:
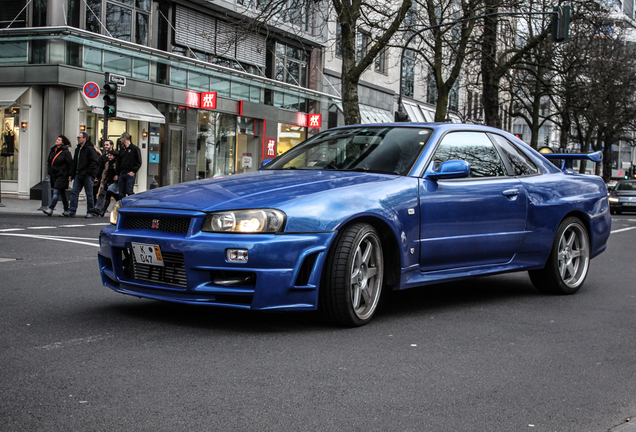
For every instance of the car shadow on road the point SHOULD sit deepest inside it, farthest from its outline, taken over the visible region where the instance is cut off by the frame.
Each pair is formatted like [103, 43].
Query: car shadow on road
[396, 306]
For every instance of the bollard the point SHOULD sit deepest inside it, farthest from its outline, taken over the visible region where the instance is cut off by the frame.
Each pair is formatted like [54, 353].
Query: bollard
[46, 193]
[1, 205]
[154, 184]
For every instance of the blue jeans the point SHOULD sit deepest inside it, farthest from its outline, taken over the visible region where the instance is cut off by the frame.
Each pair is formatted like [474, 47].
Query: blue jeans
[57, 194]
[126, 185]
[87, 184]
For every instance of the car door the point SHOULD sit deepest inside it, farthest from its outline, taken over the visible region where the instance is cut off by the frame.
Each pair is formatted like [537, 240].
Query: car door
[473, 221]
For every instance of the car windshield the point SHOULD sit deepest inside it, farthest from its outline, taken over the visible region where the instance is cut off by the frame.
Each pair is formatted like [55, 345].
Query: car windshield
[626, 186]
[386, 149]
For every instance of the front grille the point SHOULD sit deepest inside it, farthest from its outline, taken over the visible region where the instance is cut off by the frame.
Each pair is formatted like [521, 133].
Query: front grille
[167, 224]
[173, 271]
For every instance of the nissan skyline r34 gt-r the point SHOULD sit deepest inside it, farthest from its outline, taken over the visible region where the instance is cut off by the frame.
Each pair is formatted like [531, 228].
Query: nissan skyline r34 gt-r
[355, 211]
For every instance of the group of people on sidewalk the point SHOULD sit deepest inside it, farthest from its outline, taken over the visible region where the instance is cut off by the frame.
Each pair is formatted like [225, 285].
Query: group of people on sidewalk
[111, 174]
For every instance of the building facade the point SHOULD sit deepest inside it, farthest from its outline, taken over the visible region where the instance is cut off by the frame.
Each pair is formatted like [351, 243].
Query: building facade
[202, 96]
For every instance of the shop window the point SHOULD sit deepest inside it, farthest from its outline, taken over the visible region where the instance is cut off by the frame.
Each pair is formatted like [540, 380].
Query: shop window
[216, 145]
[9, 143]
[289, 136]
[240, 91]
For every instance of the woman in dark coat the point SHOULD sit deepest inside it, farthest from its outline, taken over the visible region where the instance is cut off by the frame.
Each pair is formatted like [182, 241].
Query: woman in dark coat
[59, 165]
[108, 184]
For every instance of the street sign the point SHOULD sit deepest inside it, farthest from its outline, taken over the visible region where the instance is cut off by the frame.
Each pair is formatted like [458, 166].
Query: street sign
[120, 80]
[91, 90]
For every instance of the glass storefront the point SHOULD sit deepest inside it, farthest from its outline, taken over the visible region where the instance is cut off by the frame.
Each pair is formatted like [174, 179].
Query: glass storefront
[216, 145]
[289, 136]
[9, 143]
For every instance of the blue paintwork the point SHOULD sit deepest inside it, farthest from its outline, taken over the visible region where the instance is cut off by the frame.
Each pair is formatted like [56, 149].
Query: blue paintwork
[438, 230]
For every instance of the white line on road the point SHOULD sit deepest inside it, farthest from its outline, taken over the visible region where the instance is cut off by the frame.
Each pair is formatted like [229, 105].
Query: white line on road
[49, 238]
[621, 230]
[41, 227]
[11, 229]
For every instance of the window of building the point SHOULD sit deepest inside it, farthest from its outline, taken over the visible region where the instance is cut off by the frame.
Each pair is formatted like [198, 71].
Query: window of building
[13, 13]
[127, 20]
[291, 65]
[362, 45]
[408, 73]
[9, 143]
[381, 62]
[338, 40]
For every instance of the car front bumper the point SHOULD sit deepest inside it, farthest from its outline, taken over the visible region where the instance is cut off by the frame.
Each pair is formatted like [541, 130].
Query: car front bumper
[282, 271]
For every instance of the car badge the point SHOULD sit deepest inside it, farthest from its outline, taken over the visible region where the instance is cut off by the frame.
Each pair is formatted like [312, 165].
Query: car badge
[155, 224]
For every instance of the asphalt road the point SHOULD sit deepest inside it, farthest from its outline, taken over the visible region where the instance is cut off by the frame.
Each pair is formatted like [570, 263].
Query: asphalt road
[486, 354]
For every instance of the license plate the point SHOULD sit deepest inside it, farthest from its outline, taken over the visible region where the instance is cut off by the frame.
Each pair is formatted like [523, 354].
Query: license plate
[147, 254]
[630, 204]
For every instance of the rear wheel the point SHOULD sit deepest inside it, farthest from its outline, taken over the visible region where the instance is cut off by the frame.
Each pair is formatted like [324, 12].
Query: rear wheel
[352, 282]
[568, 263]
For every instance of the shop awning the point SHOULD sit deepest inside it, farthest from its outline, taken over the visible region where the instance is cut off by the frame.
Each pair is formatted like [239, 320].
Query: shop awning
[414, 112]
[127, 108]
[10, 95]
[369, 114]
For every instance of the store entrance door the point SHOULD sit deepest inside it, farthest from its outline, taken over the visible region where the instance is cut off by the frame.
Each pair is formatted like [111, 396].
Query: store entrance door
[175, 155]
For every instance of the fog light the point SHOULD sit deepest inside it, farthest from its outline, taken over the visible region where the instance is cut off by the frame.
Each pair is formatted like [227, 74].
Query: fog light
[236, 255]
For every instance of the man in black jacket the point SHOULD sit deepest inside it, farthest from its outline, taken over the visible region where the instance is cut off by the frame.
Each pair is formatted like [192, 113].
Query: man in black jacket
[128, 164]
[84, 170]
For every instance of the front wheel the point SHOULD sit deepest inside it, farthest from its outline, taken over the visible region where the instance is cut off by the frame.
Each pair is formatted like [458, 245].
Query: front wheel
[568, 263]
[352, 283]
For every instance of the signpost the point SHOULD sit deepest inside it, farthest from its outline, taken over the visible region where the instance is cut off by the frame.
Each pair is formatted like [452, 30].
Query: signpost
[110, 96]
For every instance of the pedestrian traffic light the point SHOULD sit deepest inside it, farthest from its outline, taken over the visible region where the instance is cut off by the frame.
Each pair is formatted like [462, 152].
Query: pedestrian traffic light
[561, 24]
[110, 100]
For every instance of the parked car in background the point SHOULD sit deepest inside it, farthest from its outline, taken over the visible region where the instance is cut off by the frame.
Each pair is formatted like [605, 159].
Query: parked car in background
[623, 197]
[356, 211]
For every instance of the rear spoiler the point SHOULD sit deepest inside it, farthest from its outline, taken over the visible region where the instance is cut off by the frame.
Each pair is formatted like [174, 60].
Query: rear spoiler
[567, 158]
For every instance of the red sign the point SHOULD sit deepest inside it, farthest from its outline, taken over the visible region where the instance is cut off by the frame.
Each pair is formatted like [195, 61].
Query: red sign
[270, 151]
[308, 120]
[91, 90]
[208, 100]
[315, 120]
[192, 100]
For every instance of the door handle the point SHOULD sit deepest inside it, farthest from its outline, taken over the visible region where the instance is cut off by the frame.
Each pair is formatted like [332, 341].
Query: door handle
[509, 193]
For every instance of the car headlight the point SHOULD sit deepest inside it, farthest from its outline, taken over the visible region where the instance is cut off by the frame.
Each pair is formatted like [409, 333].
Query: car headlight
[114, 213]
[245, 221]
[613, 199]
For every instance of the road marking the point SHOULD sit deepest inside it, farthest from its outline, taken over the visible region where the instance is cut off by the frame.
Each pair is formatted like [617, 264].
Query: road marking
[73, 342]
[70, 226]
[41, 227]
[11, 229]
[62, 239]
[7, 259]
[100, 224]
[621, 230]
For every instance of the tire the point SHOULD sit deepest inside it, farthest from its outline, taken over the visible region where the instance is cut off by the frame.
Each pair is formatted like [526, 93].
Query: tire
[353, 277]
[569, 260]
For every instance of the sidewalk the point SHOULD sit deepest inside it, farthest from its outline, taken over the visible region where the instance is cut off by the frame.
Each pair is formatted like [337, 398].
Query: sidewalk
[15, 205]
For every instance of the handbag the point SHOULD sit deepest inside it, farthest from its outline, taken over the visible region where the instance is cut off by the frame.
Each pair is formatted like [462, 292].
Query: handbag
[114, 188]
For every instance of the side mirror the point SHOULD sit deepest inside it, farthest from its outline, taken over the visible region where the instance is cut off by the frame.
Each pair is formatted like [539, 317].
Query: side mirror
[448, 170]
[264, 162]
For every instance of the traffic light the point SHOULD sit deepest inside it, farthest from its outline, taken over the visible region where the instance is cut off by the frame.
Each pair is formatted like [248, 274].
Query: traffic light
[561, 24]
[110, 100]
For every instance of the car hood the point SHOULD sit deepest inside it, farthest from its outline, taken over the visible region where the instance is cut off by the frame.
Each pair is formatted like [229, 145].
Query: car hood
[261, 189]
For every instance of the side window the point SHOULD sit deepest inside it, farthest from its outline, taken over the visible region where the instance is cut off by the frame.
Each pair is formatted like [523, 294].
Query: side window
[519, 161]
[474, 148]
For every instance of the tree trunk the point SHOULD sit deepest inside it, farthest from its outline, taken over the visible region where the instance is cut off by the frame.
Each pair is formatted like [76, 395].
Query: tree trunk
[488, 68]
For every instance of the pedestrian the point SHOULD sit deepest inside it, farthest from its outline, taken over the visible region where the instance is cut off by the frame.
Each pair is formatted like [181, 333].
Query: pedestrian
[103, 159]
[83, 171]
[59, 165]
[129, 163]
[108, 185]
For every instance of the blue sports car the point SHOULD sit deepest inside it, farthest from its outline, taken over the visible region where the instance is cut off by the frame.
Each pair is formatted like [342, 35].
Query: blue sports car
[355, 211]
